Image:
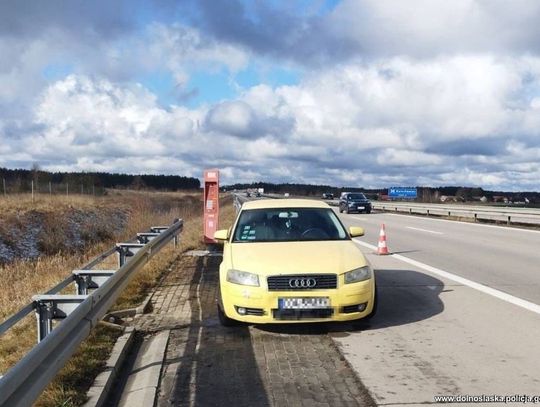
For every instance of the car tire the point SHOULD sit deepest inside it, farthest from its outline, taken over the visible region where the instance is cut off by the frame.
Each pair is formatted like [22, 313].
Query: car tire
[348, 211]
[224, 320]
[340, 209]
[368, 211]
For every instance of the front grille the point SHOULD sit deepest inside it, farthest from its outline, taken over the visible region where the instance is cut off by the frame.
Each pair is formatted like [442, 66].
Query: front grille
[282, 283]
[297, 314]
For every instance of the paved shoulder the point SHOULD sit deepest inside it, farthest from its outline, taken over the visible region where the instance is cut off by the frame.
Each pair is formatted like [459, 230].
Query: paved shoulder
[209, 365]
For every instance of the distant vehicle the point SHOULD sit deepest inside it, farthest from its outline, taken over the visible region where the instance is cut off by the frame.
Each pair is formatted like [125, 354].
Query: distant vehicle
[258, 194]
[354, 202]
[248, 194]
[286, 194]
[328, 195]
[292, 261]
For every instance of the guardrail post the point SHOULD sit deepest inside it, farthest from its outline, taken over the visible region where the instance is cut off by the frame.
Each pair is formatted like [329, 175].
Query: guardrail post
[475, 217]
[90, 279]
[44, 314]
[53, 306]
[427, 212]
[508, 221]
[126, 250]
[448, 213]
[146, 237]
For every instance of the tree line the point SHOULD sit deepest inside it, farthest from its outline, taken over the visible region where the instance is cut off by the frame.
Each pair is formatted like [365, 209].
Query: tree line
[23, 180]
[425, 194]
[303, 189]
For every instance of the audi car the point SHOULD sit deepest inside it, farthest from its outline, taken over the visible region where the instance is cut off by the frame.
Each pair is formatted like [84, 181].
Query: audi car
[292, 260]
[354, 202]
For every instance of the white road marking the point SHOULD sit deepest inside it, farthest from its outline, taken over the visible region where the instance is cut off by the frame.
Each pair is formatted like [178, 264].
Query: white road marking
[514, 229]
[192, 381]
[424, 230]
[530, 306]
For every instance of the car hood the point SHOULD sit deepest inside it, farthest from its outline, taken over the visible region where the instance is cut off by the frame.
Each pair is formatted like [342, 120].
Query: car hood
[273, 258]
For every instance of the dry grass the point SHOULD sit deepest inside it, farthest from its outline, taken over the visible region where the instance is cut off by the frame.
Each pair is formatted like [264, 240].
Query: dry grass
[15, 204]
[18, 281]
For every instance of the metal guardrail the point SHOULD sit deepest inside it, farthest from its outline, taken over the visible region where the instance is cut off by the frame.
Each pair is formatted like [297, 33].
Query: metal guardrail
[507, 215]
[523, 216]
[25, 381]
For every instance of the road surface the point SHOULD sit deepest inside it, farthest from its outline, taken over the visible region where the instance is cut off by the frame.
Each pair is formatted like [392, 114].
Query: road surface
[474, 333]
[459, 315]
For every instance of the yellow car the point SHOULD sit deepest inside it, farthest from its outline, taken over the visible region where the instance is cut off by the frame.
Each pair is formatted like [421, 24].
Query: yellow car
[292, 260]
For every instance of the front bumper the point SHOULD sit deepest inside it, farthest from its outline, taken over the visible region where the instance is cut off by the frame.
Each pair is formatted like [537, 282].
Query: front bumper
[261, 305]
[359, 206]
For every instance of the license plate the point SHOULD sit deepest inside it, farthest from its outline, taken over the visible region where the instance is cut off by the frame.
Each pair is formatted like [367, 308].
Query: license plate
[304, 303]
[361, 207]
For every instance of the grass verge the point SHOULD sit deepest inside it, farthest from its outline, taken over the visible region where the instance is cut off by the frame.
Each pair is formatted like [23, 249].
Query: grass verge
[70, 386]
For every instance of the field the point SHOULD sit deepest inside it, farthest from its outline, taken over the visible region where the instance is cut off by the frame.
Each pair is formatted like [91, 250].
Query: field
[21, 279]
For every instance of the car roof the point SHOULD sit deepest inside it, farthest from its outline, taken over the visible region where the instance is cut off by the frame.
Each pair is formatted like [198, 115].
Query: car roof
[284, 203]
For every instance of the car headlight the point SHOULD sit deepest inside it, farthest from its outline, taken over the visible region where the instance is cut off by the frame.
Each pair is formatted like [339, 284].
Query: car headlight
[242, 278]
[359, 274]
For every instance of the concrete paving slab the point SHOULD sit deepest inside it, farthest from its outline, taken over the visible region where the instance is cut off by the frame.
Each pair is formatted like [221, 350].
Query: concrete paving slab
[143, 381]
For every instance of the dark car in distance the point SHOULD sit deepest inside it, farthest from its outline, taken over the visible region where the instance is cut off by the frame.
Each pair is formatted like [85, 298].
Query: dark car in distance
[354, 202]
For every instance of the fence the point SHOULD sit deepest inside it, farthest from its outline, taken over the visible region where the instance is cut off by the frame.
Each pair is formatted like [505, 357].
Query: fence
[50, 188]
[79, 313]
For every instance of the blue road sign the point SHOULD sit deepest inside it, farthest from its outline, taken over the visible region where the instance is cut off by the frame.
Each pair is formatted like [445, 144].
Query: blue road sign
[399, 192]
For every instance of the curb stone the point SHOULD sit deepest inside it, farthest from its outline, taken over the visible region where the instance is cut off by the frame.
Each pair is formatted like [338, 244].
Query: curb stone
[99, 392]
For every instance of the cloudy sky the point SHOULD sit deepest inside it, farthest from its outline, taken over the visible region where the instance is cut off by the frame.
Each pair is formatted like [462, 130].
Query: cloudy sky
[371, 93]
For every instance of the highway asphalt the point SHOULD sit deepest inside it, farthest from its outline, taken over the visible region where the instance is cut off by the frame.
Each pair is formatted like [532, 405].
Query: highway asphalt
[459, 311]
[504, 258]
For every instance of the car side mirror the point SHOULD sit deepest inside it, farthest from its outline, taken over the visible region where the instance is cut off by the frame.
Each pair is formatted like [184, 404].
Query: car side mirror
[221, 235]
[356, 231]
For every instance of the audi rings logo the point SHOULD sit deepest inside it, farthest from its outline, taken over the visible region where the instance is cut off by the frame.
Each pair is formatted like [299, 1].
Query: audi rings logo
[302, 282]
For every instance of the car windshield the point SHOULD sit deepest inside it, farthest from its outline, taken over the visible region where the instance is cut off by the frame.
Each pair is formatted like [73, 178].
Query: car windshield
[355, 197]
[288, 225]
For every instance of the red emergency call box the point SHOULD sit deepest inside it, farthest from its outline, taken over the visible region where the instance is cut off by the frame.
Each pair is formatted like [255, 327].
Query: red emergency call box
[211, 205]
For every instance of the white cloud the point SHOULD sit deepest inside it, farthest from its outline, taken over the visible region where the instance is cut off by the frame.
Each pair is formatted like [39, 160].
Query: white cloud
[427, 28]
[180, 48]
[394, 121]
[236, 118]
[431, 92]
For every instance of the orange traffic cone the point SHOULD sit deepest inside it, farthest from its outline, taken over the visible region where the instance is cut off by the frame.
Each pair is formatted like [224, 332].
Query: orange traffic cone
[382, 248]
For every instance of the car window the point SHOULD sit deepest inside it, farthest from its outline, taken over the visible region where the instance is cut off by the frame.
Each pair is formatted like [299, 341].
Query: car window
[288, 224]
[356, 197]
